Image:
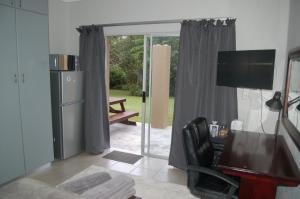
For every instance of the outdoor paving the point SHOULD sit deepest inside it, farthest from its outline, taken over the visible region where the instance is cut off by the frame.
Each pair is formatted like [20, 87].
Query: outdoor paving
[128, 138]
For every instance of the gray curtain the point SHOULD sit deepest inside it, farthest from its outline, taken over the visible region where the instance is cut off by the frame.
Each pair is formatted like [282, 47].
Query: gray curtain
[196, 90]
[92, 62]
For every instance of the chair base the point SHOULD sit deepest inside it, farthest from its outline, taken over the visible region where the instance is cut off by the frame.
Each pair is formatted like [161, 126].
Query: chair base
[209, 194]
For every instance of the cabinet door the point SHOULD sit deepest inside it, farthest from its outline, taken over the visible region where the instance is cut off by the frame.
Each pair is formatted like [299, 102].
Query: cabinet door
[7, 2]
[40, 6]
[33, 54]
[11, 147]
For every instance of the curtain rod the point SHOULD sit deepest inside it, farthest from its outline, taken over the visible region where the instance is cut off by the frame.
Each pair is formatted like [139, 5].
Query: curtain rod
[157, 22]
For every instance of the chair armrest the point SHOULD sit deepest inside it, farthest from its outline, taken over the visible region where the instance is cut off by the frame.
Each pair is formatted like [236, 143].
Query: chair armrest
[215, 174]
[218, 147]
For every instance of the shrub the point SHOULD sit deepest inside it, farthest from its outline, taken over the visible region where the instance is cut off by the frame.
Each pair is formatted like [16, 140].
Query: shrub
[125, 87]
[135, 90]
[117, 77]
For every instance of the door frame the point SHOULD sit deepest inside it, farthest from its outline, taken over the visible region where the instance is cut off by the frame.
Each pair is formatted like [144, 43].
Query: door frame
[144, 103]
[144, 87]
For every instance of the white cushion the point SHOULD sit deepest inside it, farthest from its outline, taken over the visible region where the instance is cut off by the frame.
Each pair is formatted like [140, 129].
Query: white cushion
[85, 183]
[119, 187]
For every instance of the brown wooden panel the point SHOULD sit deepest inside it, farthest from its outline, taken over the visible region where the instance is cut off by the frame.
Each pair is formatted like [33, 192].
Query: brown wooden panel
[263, 155]
[116, 100]
[262, 161]
[123, 116]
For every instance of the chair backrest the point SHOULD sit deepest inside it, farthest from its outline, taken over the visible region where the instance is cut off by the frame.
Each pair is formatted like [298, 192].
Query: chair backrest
[197, 145]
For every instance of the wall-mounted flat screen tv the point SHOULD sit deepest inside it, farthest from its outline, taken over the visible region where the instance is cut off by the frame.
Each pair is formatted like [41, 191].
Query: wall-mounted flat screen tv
[246, 69]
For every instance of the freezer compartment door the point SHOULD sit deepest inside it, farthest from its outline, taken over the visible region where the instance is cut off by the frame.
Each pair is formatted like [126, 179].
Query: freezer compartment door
[72, 129]
[72, 86]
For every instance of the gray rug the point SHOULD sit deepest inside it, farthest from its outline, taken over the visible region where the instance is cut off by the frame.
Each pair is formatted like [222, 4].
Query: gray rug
[119, 156]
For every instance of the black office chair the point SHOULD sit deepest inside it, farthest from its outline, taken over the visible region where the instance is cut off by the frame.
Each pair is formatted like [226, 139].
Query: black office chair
[204, 180]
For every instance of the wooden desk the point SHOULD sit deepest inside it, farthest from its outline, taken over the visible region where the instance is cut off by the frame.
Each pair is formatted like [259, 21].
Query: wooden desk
[261, 161]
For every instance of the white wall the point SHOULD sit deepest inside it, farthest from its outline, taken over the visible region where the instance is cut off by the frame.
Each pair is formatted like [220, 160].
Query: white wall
[59, 23]
[294, 25]
[261, 24]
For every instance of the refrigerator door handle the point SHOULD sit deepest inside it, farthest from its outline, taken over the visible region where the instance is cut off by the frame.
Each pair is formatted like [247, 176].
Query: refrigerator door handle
[23, 77]
[71, 103]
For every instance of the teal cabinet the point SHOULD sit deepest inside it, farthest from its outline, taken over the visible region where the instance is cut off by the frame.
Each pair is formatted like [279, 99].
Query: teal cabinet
[26, 141]
[11, 148]
[40, 6]
[33, 55]
[7, 2]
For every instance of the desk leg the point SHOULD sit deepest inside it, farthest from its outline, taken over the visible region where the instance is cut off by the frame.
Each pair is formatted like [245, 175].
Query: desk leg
[257, 189]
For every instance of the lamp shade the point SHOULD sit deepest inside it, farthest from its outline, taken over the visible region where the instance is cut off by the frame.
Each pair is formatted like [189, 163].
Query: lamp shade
[275, 103]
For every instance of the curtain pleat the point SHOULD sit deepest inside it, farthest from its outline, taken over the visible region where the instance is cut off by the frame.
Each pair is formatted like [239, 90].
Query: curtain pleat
[196, 91]
[92, 62]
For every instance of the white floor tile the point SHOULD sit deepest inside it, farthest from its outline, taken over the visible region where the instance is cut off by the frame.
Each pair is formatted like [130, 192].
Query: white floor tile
[123, 167]
[128, 138]
[148, 167]
[143, 172]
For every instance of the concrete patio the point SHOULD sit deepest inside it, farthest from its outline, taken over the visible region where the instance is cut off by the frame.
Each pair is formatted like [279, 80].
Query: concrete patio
[128, 138]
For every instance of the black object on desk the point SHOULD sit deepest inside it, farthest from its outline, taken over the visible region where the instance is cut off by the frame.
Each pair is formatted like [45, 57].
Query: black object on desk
[218, 142]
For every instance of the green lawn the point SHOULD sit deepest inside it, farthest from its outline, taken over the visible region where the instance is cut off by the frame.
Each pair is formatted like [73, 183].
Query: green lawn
[134, 103]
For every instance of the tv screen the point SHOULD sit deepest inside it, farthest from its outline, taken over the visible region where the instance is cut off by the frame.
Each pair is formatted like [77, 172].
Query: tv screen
[246, 69]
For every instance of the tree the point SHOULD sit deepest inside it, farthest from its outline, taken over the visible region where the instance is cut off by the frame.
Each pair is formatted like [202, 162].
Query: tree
[126, 55]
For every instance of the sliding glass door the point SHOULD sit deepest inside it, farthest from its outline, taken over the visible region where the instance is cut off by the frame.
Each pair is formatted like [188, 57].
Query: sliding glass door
[142, 65]
[159, 73]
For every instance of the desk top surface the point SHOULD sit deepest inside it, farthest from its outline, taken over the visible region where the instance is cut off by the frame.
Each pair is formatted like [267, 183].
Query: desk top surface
[247, 153]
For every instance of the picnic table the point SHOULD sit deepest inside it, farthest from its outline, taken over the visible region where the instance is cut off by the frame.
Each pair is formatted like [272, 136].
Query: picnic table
[120, 115]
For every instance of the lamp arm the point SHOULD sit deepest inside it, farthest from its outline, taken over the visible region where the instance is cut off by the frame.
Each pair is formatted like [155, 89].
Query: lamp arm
[293, 101]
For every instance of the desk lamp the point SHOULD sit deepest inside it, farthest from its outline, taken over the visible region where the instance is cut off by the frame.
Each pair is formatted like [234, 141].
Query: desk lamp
[275, 105]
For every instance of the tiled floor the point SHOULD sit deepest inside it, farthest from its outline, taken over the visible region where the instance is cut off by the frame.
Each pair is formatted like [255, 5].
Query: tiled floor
[153, 168]
[121, 135]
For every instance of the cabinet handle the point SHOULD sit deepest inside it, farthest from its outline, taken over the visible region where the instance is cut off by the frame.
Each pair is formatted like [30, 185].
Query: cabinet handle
[20, 3]
[23, 77]
[12, 3]
[15, 78]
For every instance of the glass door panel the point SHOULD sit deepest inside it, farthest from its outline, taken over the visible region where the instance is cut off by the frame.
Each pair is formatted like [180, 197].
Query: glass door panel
[147, 63]
[125, 71]
[160, 64]
[145, 95]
